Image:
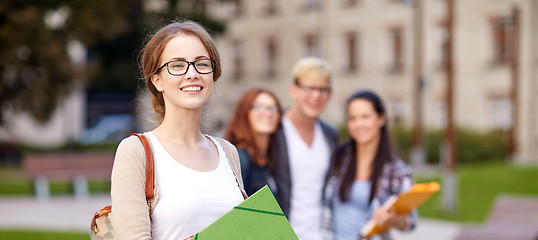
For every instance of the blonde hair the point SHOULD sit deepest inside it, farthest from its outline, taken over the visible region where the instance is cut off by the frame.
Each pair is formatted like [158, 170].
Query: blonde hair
[313, 68]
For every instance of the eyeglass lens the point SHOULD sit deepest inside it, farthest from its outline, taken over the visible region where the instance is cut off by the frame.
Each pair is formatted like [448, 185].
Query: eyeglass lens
[312, 89]
[261, 108]
[180, 67]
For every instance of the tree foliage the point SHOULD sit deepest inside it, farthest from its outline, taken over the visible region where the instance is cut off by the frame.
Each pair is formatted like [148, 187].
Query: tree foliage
[35, 68]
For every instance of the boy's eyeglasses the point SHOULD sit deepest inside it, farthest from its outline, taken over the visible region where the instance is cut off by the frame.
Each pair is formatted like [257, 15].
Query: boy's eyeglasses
[323, 91]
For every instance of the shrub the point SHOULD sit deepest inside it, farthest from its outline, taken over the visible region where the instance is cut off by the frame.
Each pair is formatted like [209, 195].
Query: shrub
[472, 146]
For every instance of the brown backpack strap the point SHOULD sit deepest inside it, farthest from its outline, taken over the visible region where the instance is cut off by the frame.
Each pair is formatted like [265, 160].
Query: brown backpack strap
[233, 159]
[149, 165]
[150, 176]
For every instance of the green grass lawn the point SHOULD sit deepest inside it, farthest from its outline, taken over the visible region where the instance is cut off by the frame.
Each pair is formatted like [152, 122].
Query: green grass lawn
[479, 185]
[13, 182]
[41, 235]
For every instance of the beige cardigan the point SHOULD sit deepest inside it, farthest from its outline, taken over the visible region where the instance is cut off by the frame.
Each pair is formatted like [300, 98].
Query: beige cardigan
[131, 218]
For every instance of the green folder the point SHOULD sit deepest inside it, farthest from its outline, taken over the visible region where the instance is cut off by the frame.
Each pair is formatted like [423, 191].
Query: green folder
[258, 217]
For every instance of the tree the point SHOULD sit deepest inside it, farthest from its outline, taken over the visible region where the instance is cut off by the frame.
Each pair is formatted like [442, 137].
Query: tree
[35, 67]
[36, 70]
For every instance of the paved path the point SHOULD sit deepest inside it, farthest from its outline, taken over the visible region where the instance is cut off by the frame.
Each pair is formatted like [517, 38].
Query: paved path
[428, 229]
[61, 213]
[68, 213]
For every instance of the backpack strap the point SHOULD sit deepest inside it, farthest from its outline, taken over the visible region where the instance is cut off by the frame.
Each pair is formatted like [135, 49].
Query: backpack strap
[150, 172]
[233, 159]
[150, 190]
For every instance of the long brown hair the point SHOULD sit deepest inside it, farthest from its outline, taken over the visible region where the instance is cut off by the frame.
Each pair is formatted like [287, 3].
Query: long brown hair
[383, 155]
[240, 131]
[151, 55]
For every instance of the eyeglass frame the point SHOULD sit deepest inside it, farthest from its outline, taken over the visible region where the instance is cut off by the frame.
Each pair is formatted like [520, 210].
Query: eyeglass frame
[257, 108]
[213, 62]
[324, 91]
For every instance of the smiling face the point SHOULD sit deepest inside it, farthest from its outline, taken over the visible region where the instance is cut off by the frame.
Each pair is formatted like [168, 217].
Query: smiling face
[311, 89]
[192, 89]
[308, 96]
[264, 114]
[363, 122]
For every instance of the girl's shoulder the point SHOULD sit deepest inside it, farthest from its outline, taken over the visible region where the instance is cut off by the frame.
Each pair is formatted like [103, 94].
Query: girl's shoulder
[131, 148]
[131, 145]
[398, 167]
[400, 163]
[130, 142]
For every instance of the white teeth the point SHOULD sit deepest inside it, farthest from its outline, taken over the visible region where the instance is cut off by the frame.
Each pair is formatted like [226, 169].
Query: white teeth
[192, 89]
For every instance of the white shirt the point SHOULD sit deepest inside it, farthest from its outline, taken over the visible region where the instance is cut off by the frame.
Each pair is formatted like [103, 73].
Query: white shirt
[190, 200]
[308, 167]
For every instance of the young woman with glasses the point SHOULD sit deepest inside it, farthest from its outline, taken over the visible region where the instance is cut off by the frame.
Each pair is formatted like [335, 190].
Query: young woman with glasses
[194, 180]
[254, 122]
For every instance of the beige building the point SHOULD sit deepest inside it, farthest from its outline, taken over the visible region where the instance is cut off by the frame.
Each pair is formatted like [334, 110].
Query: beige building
[370, 44]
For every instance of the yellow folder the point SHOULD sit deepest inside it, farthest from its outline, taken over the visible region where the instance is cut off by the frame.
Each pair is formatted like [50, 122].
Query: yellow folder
[258, 217]
[404, 203]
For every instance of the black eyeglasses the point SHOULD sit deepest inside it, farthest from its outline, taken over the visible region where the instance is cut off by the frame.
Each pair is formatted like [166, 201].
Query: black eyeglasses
[180, 67]
[323, 91]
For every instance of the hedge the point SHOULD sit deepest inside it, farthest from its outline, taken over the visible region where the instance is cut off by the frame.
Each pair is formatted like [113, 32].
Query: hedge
[472, 146]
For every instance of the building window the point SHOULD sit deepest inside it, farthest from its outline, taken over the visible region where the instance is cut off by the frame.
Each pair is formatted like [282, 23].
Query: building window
[311, 42]
[202, 6]
[502, 29]
[270, 7]
[238, 61]
[186, 6]
[396, 111]
[444, 51]
[442, 38]
[500, 112]
[237, 8]
[311, 5]
[396, 41]
[350, 3]
[352, 45]
[271, 60]
[441, 113]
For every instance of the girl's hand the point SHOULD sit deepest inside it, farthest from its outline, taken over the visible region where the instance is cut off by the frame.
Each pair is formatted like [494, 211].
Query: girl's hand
[389, 218]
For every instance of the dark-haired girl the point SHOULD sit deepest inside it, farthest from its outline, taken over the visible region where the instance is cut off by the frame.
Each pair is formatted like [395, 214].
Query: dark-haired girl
[365, 173]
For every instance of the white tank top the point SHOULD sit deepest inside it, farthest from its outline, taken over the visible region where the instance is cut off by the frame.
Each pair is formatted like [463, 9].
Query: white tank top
[190, 200]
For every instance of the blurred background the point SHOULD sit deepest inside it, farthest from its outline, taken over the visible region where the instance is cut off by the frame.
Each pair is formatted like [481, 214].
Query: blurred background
[459, 78]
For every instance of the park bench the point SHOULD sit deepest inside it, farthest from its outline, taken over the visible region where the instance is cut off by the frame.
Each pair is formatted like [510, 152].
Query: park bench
[75, 167]
[512, 217]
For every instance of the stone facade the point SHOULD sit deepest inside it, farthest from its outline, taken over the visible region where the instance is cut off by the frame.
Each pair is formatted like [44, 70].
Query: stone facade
[370, 44]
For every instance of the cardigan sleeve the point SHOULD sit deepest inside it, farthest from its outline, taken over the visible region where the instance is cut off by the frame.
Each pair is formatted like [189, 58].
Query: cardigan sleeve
[396, 178]
[404, 180]
[130, 213]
